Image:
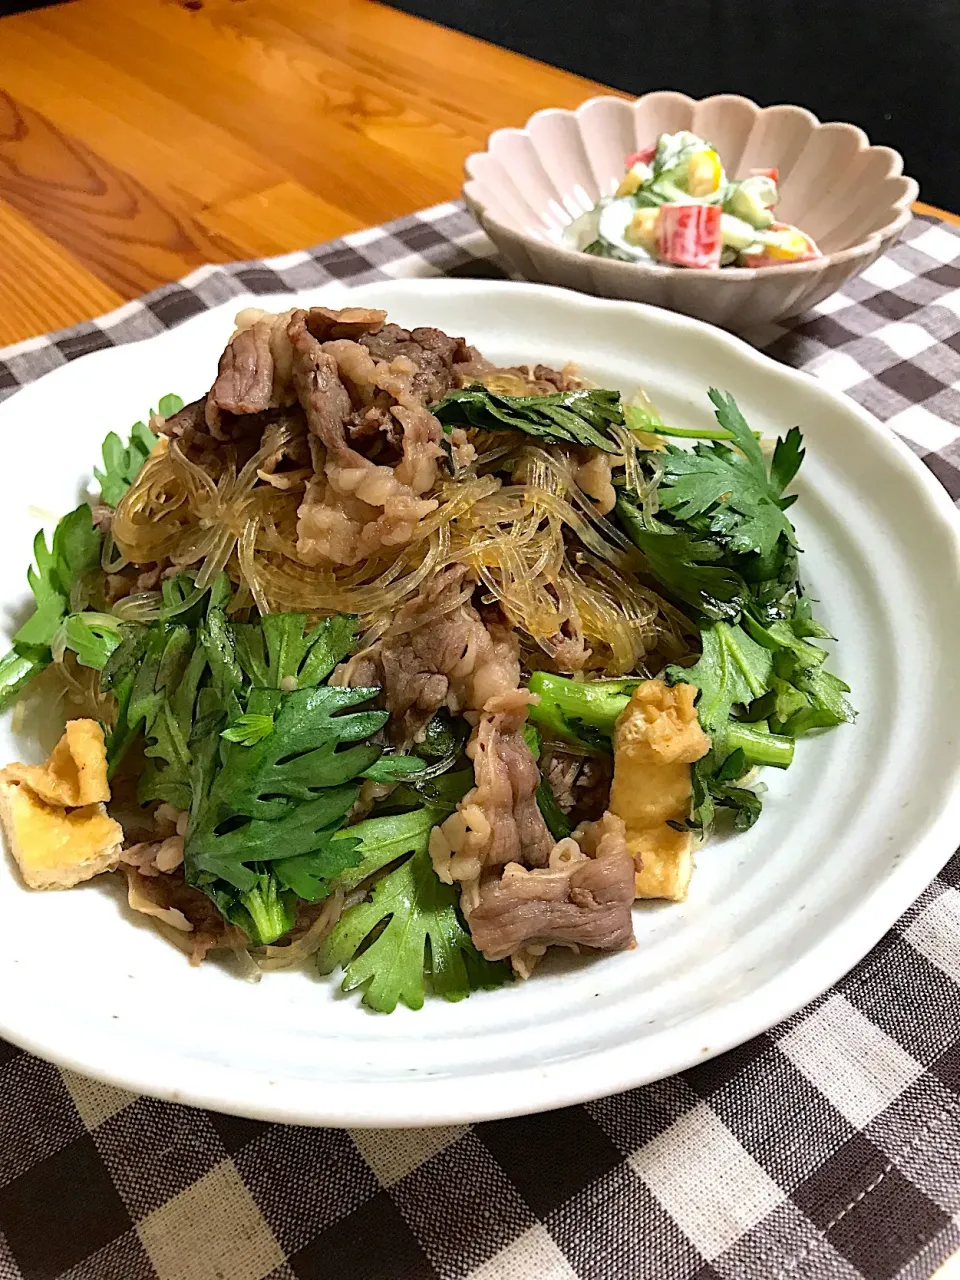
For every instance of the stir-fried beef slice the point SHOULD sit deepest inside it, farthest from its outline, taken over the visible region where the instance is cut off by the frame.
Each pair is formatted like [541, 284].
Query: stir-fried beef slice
[323, 397]
[583, 898]
[191, 418]
[435, 641]
[351, 322]
[433, 353]
[254, 370]
[374, 423]
[437, 653]
[561, 379]
[245, 374]
[352, 506]
[499, 821]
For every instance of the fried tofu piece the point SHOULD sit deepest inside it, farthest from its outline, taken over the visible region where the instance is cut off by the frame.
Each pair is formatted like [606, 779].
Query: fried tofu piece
[54, 816]
[657, 738]
[75, 773]
[55, 847]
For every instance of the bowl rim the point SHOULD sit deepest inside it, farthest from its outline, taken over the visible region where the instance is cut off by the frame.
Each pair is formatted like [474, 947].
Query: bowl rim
[901, 207]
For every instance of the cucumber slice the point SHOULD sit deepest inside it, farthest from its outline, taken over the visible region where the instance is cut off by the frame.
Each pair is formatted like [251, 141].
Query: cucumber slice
[583, 230]
[752, 201]
[735, 233]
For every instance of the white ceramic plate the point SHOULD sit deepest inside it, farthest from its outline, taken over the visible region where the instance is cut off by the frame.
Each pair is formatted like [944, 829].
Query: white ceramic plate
[848, 837]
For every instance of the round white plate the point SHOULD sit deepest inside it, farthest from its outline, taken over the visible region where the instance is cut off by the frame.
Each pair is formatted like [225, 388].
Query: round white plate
[848, 837]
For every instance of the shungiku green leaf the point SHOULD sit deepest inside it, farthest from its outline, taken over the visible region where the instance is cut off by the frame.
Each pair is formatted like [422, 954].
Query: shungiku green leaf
[732, 487]
[247, 730]
[732, 670]
[122, 463]
[409, 927]
[687, 565]
[583, 417]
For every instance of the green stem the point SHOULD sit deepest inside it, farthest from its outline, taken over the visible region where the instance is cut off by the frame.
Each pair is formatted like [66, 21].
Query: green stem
[269, 910]
[577, 711]
[640, 420]
[695, 433]
[558, 824]
[760, 747]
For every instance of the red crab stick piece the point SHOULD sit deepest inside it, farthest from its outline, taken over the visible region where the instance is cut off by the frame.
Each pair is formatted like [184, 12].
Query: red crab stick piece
[688, 235]
[772, 174]
[639, 157]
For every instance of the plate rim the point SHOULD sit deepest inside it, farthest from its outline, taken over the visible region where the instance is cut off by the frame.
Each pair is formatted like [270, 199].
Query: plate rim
[430, 1101]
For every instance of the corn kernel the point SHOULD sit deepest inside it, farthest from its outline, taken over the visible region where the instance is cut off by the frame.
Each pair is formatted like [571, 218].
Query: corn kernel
[703, 173]
[630, 183]
[643, 228]
[790, 244]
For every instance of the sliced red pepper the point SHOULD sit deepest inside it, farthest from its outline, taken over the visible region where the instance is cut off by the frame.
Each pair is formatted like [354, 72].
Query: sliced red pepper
[772, 174]
[688, 235]
[639, 157]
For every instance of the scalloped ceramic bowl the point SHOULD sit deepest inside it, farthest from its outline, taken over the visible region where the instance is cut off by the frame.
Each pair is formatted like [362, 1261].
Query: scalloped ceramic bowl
[850, 196]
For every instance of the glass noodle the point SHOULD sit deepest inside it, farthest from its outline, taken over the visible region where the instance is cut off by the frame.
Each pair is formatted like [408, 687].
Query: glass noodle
[565, 576]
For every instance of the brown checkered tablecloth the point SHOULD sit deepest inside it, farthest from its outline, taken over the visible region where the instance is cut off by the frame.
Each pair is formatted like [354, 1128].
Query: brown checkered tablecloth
[828, 1147]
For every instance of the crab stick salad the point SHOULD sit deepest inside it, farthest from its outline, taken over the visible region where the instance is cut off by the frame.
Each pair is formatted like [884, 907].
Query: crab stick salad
[676, 205]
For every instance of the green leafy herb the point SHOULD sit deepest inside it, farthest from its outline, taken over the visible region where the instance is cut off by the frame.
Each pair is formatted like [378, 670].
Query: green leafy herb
[443, 792]
[122, 463]
[307, 751]
[711, 792]
[393, 767]
[271, 791]
[732, 488]
[410, 928]
[64, 581]
[247, 730]
[805, 695]
[164, 701]
[18, 668]
[732, 669]
[443, 737]
[581, 417]
[92, 637]
[761, 686]
[721, 541]
[279, 651]
[59, 576]
[169, 405]
[265, 911]
[381, 841]
[689, 566]
[239, 729]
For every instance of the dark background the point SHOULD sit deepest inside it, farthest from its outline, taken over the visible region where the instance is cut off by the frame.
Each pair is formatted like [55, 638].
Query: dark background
[892, 67]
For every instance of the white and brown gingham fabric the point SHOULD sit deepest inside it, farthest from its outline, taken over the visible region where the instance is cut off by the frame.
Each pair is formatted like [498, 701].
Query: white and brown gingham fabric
[827, 1148]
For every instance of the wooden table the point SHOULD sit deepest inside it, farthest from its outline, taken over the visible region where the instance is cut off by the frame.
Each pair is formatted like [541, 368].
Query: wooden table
[141, 138]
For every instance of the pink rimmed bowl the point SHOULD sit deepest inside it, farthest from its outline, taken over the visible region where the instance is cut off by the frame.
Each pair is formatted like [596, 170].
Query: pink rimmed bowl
[850, 196]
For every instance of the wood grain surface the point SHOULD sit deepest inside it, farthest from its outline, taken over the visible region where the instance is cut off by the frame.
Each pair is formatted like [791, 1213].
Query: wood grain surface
[139, 140]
